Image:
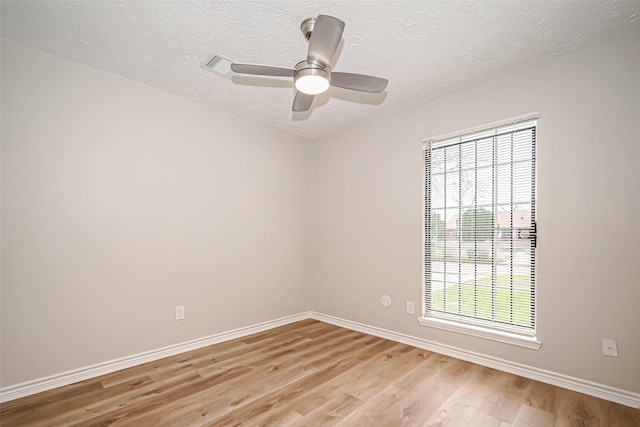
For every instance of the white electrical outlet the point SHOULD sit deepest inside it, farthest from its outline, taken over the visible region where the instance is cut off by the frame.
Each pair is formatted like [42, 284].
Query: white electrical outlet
[410, 307]
[180, 312]
[609, 348]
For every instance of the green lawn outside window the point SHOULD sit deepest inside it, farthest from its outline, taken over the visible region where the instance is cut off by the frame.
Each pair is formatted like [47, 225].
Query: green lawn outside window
[477, 301]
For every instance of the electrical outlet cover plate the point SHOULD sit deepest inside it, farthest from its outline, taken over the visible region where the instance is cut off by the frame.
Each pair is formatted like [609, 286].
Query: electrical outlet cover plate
[609, 348]
[385, 300]
[410, 307]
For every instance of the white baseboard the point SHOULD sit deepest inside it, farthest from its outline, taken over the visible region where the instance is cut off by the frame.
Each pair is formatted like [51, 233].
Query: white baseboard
[601, 391]
[65, 378]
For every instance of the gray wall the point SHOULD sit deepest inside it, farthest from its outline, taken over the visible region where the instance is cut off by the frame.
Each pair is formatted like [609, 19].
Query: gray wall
[366, 224]
[120, 202]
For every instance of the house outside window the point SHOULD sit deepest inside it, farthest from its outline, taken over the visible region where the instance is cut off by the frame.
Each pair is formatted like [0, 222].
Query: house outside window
[480, 233]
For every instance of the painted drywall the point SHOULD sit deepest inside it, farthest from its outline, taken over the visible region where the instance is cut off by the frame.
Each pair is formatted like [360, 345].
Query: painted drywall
[121, 202]
[366, 223]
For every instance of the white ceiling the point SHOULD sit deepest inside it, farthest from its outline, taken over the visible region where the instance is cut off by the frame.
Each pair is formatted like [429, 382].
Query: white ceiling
[424, 48]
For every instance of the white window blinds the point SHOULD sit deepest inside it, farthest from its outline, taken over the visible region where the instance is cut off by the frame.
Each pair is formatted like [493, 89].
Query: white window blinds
[480, 228]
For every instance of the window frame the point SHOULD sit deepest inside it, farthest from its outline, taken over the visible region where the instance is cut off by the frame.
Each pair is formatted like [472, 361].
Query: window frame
[522, 338]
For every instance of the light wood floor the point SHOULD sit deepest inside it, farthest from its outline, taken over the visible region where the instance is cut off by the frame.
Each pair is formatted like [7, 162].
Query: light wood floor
[311, 373]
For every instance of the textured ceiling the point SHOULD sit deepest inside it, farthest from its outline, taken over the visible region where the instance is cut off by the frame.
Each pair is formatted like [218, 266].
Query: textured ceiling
[424, 48]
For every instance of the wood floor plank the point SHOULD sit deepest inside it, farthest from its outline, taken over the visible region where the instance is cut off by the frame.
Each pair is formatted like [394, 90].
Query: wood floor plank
[529, 416]
[333, 386]
[311, 373]
[422, 392]
[207, 407]
[273, 405]
[209, 397]
[331, 412]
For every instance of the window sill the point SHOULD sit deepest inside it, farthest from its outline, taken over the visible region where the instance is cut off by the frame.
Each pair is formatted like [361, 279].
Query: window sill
[481, 332]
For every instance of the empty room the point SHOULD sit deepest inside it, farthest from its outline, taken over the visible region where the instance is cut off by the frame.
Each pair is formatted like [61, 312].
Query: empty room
[346, 213]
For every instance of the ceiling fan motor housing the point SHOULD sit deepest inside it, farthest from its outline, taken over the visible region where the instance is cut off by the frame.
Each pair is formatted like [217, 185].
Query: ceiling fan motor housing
[308, 68]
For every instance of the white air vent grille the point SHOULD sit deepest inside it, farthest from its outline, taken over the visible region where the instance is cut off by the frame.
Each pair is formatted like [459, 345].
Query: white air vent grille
[212, 63]
[218, 64]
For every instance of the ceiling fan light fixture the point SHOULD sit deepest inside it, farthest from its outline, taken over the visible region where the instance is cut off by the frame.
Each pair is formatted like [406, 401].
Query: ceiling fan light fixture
[312, 84]
[311, 79]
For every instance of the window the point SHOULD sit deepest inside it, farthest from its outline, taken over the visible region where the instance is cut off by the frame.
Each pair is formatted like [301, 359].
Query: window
[480, 233]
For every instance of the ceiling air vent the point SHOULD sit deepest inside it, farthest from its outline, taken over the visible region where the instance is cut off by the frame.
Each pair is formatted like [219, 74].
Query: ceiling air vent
[218, 64]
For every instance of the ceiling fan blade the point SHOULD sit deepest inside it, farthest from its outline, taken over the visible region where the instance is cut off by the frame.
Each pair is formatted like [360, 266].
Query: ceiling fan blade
[325, 38]
[358, 82]
[302, 102]
[262, 70]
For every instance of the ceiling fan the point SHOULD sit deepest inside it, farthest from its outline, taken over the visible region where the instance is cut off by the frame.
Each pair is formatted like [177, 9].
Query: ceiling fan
[313, 75]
